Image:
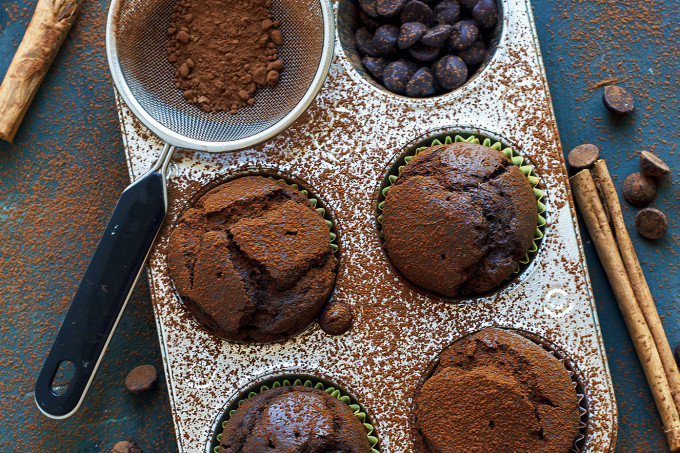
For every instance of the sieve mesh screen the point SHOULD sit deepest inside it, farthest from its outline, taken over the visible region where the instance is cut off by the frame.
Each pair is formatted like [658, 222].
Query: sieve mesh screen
[139, 30]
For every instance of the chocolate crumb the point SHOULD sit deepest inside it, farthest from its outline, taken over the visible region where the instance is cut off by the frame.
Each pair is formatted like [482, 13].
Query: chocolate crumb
[652, 165]
[583, 156]
[141, 379]
[651, 223]
[638, 189]
[336, 318]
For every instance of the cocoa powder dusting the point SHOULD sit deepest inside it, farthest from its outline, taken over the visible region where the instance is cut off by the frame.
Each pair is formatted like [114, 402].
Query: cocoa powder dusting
[223, 51]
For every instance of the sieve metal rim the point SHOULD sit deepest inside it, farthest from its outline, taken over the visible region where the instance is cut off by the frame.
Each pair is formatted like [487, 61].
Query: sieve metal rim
[180, 141]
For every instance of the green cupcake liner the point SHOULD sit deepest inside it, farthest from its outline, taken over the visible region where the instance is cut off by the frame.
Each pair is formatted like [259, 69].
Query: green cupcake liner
[332, 391]
[517, 160]
[322, 212]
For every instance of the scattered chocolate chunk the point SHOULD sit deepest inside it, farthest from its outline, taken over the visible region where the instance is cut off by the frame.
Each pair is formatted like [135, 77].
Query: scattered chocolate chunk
[125, 446]
[421, 84]
[473, 55]
[375, 66]
[410, 33]
[638, 189]
[385, 40]
[447, 12]
[463, 35]
[583, 156]
[652, 165]
[651, 223]
[485, 13]
[618, 100]
[336, 318]
[423, 53]
[416, 11]
[396, 75]
[437, 35]
[450, 72]
[363, 40]
[141, 379]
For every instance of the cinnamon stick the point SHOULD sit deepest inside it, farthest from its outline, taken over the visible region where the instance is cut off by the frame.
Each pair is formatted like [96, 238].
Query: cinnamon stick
[637, 278]
[593, 212]
[46, 32]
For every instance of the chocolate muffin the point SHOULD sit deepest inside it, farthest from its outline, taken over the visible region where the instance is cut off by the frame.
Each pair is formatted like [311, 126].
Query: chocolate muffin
[459, 218]
[252, 260]
[496, 391]
[294, 419]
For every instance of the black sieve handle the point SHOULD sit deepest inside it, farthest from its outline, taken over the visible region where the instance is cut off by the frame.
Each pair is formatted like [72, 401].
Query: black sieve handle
[101, 296]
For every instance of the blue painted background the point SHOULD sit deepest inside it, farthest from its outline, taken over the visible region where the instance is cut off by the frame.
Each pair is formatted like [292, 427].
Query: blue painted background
[68, 159]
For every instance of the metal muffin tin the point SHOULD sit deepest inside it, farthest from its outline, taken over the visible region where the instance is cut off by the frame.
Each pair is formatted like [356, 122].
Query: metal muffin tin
[341, 148]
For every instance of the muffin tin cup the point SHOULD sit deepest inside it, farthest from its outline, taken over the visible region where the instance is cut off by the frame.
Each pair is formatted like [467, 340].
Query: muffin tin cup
[555, 351]
[317, 204]
[342, 147]
[501, 146]
[298, 379]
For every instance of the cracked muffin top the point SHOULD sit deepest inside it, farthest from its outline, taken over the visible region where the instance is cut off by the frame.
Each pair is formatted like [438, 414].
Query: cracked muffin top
[294, 419]
[458, 219]
[252, 260]
[496, 391]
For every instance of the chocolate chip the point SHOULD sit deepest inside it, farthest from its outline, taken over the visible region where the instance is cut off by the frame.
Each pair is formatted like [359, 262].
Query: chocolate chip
[125, 446]
[463, 35]
[638, 189]
[651, 223]
[369, 7]
[652, 165]
[389, 8]
[473, 55]
[368, 22]
[468, 4]
[141, 379]
[423, 53]
[385, 40]
[396, 75]
[363, 40]
[416, 11]
[436, 36]
[447, 12]
[375, 66]
[421, 84]
[485, 13]
[410, 33]
[583, 156]
[450, 72]
[336, 318]
[617, 99]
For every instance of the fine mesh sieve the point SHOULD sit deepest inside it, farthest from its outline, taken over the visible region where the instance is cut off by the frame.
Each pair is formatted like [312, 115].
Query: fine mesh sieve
[135, 43]
[136, 46]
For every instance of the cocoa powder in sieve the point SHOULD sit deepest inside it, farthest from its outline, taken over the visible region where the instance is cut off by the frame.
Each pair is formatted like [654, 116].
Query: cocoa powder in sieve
[223, 51]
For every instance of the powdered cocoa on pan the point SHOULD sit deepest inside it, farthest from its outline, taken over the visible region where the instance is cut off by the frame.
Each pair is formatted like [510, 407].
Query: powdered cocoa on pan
[223, 51]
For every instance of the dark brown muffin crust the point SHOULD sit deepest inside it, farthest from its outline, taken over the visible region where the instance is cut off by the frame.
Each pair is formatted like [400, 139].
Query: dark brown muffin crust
[252, 260]
[496, 391]
[294, 419]
[459, 218]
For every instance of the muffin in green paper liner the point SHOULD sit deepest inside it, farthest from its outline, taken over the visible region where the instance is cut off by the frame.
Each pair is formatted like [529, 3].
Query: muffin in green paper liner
[254, 259]
[295, 415]
[461, 217]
